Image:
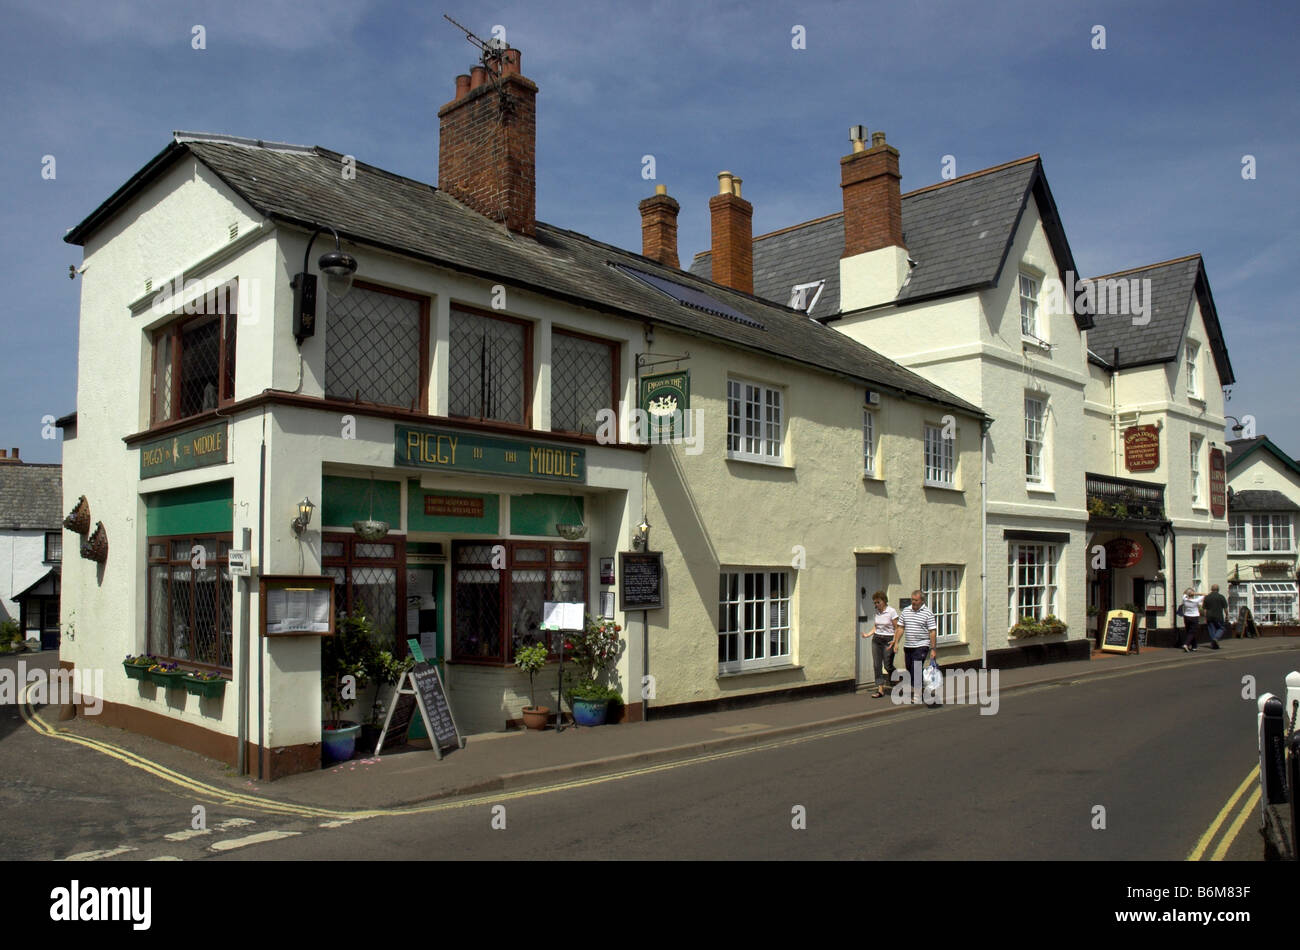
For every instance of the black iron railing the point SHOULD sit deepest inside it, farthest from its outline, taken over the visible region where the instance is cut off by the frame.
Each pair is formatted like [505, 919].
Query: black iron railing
[1124, 499]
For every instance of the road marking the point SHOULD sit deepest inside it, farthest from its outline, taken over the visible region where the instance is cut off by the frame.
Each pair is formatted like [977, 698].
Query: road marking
[1210, 832]
[187, 834]
[165, 857]
[1235, 828]
[97, 855]
[235, 823]
[232, 843]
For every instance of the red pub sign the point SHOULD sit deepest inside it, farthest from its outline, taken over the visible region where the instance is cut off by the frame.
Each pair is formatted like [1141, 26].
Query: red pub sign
[1218, 484]
[1122, 552]
[1142, 448]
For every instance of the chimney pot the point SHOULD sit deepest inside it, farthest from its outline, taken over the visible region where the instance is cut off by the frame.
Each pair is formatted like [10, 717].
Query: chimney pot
[4, 454]
[735, 186]
[462, 85]
[724, 183]
[512, 62]
[14, 452]
[661, 189]
[477, 76]
[877, 139]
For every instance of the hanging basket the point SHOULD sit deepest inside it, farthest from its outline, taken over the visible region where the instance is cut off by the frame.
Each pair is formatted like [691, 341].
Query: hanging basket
[370, 530]
[78, 519]
[95, 548]
[571, 532]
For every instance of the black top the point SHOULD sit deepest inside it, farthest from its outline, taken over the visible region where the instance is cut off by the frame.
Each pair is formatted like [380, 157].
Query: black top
[1216, 607]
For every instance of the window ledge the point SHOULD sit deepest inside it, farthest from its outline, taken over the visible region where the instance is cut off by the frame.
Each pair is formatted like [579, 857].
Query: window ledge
[872, 478]
[770, 463]
[942, 487]
[780, 667]
[951, 640]
[1036, 488]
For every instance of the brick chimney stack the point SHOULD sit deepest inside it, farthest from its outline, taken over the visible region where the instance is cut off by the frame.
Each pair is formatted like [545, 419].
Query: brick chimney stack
[874, 264]
[488, 142]
[659, 227]
[733, 235]
[11, 456]
[873, 202]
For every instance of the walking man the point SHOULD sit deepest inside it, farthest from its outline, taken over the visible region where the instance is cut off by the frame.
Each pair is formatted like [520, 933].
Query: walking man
[919, 633]
[1216, 610]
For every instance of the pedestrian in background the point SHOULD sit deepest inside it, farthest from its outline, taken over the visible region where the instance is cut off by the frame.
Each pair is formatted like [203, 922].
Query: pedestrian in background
[884, 633]
[919, 633]
[1216, 610]
[1191, 618]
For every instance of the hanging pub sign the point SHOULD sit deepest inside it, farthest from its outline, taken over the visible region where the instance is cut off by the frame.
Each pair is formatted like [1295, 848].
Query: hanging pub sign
[450, 451]
[666, 402]
[1122, 552]
[1218, 484]
[1142, 448]
[193, 448]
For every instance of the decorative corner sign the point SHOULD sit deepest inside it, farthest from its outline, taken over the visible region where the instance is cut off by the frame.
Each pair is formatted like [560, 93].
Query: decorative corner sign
[666, 401]
[1218, 484]
[1142, 448]
[193, 448]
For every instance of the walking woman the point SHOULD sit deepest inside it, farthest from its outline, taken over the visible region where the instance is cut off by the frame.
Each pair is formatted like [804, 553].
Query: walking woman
[1191, 618]
[886, 630]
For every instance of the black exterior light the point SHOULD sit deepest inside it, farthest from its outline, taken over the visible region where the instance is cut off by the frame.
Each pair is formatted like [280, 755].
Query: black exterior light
[1238, 428]
[338, 267]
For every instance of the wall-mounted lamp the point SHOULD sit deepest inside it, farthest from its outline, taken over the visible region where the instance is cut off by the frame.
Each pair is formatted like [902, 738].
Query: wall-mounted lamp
[642, 540]
[338, 268]
[299, 524]
[1238, 428]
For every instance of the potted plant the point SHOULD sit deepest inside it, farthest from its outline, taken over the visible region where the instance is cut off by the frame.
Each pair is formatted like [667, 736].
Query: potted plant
[166, 674]
[205, 685]
[1026, 626]
[595, 649]
[345, 663]
[385, 670]
[137, 666]
[531, 659]
[11, 639]
[1053, 625]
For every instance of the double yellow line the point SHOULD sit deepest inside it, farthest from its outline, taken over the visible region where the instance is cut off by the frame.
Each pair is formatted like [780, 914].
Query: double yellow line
[1229, 836]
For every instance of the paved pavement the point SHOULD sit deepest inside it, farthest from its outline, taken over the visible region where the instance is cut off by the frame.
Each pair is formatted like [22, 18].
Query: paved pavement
[500, 761]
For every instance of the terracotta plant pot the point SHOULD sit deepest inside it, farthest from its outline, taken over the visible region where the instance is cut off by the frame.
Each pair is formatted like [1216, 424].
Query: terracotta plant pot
[536, 717]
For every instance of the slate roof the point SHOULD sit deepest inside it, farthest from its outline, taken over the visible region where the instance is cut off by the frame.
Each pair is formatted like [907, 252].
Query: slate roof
[31, 496]
[959, 233]
[1261, 500]
[302, 186]
[1160, 340]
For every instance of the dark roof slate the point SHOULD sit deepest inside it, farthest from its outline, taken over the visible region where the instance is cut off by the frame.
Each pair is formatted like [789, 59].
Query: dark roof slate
[958, 233]
[1160, 339]
[1261, 500]
[302, 186]
[31, 496]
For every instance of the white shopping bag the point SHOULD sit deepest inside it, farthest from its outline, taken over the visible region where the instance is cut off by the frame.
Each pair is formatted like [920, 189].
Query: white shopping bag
[933, 680]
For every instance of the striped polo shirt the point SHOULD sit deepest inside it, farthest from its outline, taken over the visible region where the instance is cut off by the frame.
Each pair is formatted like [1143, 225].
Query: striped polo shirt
[917, 625]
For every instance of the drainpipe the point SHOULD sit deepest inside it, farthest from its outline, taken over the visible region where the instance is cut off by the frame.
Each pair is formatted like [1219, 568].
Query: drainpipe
[1173, 573]
[244, 606]
[983, 542]
[261, 651]
[1114, 410]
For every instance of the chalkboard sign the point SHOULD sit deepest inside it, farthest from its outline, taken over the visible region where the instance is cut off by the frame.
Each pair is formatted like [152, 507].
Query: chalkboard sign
[433, 704]
[641, 580]
[1118, 631]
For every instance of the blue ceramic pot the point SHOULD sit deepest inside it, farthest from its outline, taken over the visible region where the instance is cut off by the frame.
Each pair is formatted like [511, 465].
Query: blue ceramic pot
[339, 744]
[590, 712]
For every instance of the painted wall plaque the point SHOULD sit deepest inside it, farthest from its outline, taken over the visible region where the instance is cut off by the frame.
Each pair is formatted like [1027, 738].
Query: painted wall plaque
[1142, 448]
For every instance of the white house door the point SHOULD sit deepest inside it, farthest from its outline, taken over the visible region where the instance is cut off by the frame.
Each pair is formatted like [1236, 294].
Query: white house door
[868, 584]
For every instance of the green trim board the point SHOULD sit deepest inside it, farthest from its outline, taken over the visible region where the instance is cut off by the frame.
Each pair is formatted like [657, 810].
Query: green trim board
[447, 450]
[193, 448]
[1237, 458]
[345, 500]
[417, 520]
[198, 509]
[538, 514]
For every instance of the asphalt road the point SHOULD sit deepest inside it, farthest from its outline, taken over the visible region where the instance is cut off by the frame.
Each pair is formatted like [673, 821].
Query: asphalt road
[1161, 752]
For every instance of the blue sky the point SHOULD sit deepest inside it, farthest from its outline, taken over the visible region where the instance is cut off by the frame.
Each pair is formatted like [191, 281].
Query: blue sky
[1142, 142]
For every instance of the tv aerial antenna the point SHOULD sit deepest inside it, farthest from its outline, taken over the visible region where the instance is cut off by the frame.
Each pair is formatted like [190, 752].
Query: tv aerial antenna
[492, 51]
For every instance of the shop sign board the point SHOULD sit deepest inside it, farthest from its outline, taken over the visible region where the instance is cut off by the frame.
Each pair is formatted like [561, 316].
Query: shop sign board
[641, 577]
[1142, 448]
[1122, 552]
[194, 448]
[1218, 484]
[666, 401]
[453, 506]
[451, 451]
